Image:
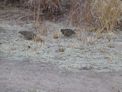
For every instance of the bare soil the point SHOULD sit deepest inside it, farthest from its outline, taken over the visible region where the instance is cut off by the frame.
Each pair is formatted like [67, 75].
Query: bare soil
[23, 76]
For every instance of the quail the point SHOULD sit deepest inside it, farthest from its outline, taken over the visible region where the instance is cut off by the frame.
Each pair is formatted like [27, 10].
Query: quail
[28, 35]
[67, 32]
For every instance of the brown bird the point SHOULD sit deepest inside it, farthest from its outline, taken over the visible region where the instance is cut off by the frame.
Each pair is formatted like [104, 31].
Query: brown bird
[28, 35]
[67, 32]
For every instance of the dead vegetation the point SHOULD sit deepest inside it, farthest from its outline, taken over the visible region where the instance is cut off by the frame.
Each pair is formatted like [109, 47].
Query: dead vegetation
[107, 13]
[103, 15]
[100, 15]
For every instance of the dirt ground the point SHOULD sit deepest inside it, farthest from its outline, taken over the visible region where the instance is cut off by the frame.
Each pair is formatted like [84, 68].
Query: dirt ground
[23, 76]
[87, 64]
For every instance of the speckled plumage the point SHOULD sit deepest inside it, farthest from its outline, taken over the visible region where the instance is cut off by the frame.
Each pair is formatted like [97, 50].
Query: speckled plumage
[28, 35]
[67, 32]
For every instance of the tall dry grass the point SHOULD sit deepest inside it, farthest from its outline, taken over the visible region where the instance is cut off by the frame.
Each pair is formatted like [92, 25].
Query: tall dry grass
[80, 12]
[103, 15]
[43, 8]
[106, 13]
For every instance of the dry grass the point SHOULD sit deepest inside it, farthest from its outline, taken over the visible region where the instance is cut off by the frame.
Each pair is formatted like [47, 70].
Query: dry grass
[80, 12]
[106, 14]
[39, 7]
[101, 14]
[56, 35]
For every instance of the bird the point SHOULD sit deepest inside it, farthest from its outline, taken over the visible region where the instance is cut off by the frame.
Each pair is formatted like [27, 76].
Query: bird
[28, 35]
[67, 32]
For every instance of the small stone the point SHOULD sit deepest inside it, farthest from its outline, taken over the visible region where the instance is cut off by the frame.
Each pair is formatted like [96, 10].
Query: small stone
[61, 49]
[86, 67]
[111, 46]
[118, 90]
[2, 30]
[39, 38]
[13, 49]
[56, 35]
[29, 47]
